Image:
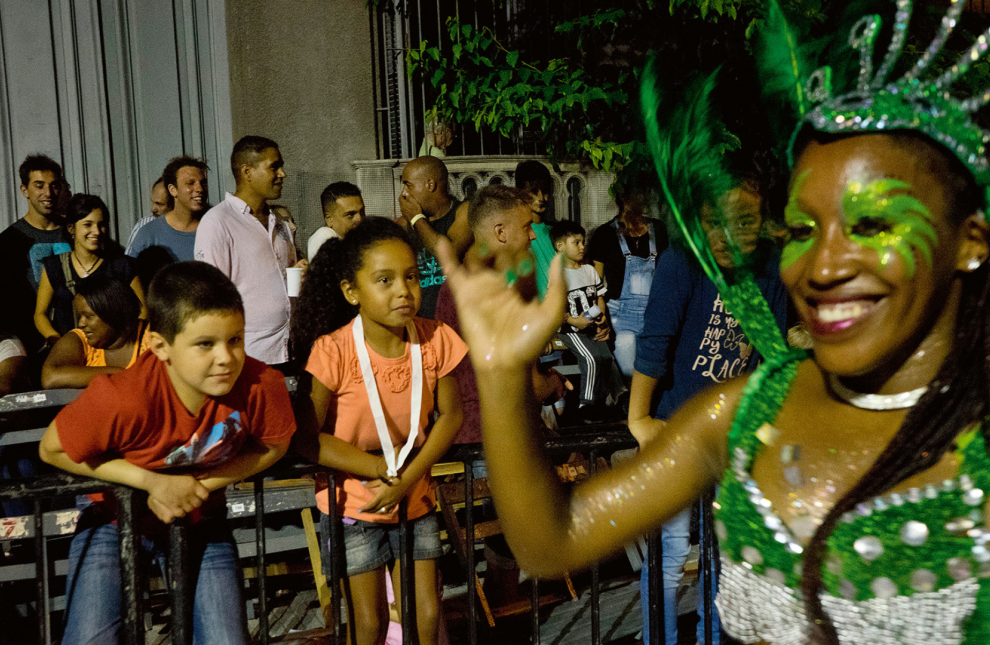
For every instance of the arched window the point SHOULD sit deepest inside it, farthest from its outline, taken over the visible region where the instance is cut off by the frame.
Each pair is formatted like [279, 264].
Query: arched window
[574, 199]
[469, 188]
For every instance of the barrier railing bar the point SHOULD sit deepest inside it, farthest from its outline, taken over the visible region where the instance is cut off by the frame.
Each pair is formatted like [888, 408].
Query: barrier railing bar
[335, 545]
[179, 578]
[469, 552]
[596, 627]
[130, 573]
[707, 568]
[535, 613]
[259, 538]
[179, 583]
[41, 577]
[655, 608]
[407, 582]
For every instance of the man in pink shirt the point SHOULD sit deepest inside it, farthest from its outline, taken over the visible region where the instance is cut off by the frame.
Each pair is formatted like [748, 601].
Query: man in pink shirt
[251, 245]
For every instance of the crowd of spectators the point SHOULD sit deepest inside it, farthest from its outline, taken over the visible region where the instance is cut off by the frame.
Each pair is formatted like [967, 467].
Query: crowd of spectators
[638, 314]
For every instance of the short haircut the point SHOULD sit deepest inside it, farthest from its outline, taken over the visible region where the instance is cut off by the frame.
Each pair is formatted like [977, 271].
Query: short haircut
[430, 167]
[184, 291]
[564, 229]
[82, 205]
[336, 190]
[492, 200]
[33, 163]
[160, 180]
[169, 175]
[113, 301]
[246, 151]
[533, 172]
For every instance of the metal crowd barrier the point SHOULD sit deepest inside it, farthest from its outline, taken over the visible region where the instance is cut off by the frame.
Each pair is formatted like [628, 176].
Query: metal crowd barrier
[181, 590]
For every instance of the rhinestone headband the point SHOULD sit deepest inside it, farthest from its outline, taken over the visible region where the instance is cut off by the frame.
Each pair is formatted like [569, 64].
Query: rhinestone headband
[908, 103]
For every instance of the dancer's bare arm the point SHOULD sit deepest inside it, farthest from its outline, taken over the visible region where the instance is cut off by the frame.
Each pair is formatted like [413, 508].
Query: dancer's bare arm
[549, 530]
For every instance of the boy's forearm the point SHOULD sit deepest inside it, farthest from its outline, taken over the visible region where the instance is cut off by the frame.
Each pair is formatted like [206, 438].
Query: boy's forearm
[117, 471]
[250, 461]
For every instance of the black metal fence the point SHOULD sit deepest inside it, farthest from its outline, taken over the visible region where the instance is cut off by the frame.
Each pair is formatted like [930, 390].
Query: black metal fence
[134, 581]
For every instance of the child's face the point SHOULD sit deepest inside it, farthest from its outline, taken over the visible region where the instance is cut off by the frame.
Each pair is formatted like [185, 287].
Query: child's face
[572, 247]
[386, 287]
[206, 357]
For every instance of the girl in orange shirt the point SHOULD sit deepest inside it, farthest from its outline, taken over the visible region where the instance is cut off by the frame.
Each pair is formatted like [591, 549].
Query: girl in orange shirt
[363, 408]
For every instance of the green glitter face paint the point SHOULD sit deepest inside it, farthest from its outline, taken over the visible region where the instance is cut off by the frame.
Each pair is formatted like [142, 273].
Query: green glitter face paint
[800, 226]
[888, 223]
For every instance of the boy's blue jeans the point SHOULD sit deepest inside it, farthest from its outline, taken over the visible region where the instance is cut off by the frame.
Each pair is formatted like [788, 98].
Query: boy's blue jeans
[93, 595]
[675, 539]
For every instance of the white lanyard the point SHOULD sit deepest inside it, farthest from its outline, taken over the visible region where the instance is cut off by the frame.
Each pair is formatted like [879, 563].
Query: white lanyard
[371, 386]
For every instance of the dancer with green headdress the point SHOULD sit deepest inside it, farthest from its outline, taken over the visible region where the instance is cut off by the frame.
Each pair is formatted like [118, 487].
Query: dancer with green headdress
[853, 479]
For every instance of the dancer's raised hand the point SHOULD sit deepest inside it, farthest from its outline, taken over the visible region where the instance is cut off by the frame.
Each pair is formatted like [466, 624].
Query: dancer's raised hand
[503, 328]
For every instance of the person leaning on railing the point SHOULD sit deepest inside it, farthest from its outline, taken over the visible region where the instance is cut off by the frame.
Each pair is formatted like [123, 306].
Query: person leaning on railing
[109, 338]
[189, 418]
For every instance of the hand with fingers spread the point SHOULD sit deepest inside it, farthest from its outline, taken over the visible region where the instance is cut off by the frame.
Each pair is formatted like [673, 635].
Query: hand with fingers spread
[502, 328]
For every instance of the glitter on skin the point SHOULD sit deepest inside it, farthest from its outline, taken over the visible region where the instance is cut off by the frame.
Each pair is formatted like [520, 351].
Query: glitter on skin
[602, 506]
[800, 226]
[888, 223]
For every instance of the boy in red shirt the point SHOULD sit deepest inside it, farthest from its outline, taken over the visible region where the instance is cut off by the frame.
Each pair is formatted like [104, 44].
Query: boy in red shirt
[191, 416]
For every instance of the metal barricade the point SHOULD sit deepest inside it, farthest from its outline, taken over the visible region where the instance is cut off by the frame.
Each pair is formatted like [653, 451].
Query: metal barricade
[181, 586]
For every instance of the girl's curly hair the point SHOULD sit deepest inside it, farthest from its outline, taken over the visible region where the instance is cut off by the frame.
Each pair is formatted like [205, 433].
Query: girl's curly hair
[322, 308]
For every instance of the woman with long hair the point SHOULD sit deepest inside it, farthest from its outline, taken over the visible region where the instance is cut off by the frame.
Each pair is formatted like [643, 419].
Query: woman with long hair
[93, 253]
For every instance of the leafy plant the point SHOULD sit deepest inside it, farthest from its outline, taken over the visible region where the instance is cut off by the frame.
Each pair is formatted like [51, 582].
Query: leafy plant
[577, 106]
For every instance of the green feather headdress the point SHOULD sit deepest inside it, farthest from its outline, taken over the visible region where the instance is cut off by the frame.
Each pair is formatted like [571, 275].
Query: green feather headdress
[796, 94]
[693, 176]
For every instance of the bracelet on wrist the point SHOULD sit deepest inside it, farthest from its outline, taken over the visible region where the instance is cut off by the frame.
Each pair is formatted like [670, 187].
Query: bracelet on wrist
[416, 218]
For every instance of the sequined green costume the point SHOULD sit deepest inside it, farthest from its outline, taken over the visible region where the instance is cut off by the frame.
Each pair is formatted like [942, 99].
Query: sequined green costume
[909, 568]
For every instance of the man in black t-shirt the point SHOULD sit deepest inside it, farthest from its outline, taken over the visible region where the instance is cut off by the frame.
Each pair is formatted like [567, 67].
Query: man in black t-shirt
[432, 212]
[28, 241]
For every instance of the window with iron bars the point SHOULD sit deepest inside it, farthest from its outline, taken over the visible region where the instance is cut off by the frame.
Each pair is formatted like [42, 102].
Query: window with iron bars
[401, 102]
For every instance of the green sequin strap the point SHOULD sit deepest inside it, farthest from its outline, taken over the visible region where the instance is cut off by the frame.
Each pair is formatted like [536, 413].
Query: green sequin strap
[762, 398]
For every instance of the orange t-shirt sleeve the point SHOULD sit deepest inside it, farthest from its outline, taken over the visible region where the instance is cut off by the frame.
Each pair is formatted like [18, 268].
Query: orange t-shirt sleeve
[325, 362]
[450, 349]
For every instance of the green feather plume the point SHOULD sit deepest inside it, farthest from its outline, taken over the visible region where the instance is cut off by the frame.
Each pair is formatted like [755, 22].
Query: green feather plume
[782, 67]
[693, 175]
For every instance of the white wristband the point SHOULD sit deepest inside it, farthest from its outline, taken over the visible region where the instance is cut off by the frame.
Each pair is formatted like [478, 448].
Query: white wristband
[416, 218]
